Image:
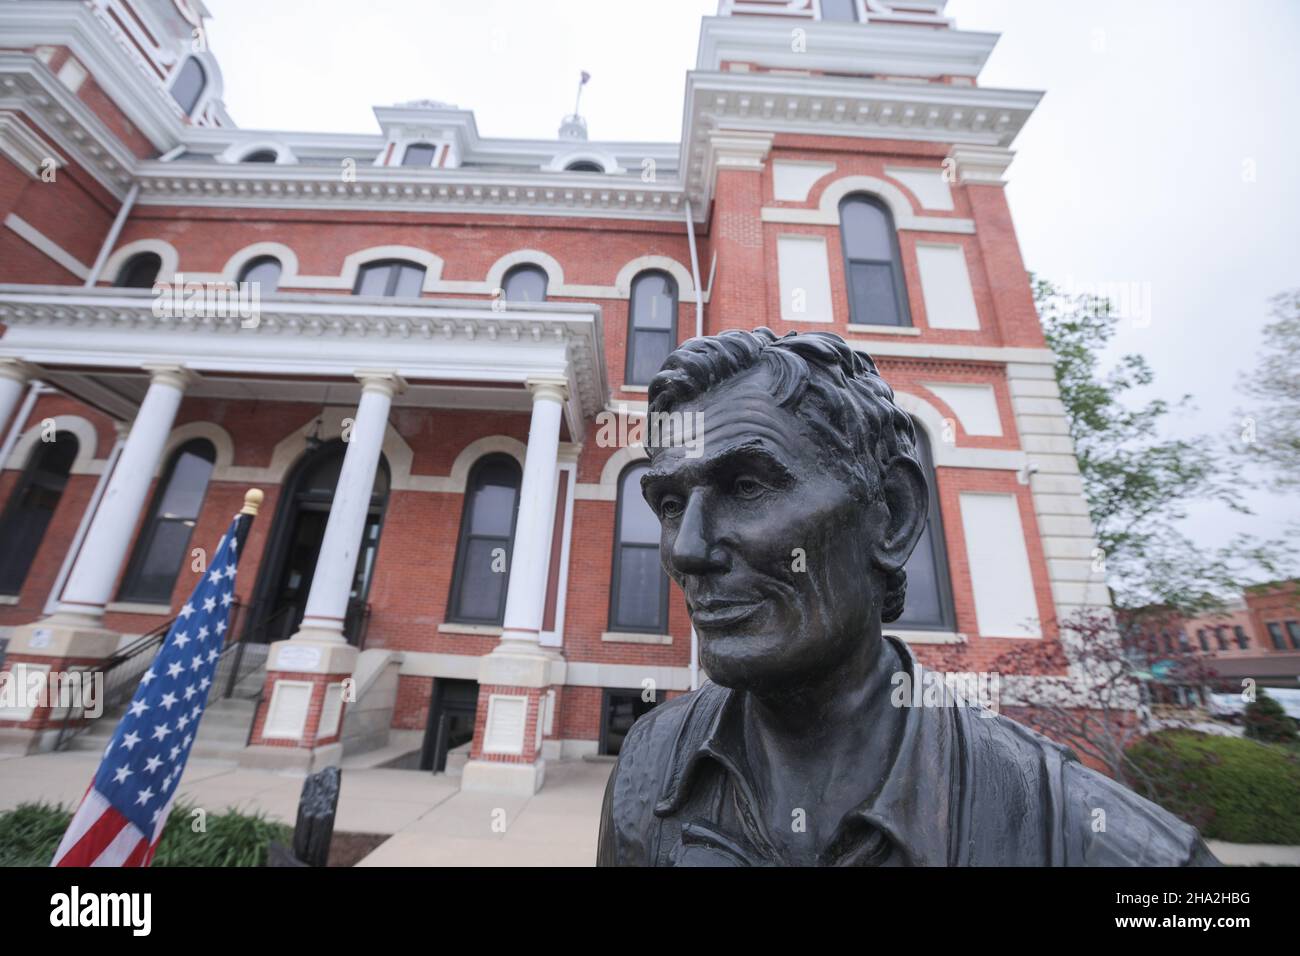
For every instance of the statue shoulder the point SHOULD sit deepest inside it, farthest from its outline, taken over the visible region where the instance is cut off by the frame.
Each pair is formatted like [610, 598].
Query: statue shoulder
[1107, 824]
[628, 823]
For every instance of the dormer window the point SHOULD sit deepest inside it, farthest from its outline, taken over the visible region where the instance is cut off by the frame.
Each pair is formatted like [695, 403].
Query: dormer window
[584, 166]
[261, 156]
[392, 277]
[188, 86]
[419, 154]
[140, 272]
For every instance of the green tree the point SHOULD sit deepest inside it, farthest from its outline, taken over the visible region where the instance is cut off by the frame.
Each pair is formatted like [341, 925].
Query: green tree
[1270, 429]
[1267, 722]
[1137, 481]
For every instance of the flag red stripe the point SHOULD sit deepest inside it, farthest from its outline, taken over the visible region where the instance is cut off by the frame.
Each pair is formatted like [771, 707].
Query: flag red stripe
[101, 833]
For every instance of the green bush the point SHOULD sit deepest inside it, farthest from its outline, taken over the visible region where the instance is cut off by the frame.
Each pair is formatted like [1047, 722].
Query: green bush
[30, 834]
[1266, 721]
[1230, 788]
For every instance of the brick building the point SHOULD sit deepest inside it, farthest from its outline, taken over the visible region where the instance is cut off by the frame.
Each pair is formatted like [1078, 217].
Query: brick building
[452, 551]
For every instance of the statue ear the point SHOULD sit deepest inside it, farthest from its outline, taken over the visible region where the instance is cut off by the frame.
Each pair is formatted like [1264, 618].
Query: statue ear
[907, 496]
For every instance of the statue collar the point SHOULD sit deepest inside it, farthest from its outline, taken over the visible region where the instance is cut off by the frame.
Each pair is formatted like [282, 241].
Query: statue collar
[919, 822]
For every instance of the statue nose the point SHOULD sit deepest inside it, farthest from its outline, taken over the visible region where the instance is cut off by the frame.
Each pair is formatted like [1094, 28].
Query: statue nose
[694, 550]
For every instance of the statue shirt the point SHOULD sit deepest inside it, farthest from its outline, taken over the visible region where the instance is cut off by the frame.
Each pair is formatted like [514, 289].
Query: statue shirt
[964, 788]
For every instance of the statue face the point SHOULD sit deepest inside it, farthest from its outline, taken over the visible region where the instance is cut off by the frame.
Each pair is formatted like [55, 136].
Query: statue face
[767, 540]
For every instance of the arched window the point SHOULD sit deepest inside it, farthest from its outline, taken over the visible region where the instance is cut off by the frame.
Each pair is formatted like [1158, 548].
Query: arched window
[392, 277]
[189, 84]
[651, 326]
[526, 283]
[164, 541]
[487, 534]
[419, 154]
[929, 590]
[584, 166]
[31, 507]
[872, 265]
[639, 591]
[264, 271]
[140, 271]
[261, 156]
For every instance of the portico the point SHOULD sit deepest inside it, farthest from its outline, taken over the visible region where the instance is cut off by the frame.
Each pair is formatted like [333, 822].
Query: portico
[109, 348]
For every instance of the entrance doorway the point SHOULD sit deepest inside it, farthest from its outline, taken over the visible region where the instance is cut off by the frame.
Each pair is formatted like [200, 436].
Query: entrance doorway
[284, 581]
[451, 721]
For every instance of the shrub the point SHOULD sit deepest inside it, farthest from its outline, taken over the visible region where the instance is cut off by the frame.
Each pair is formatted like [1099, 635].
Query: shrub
[1230, 788]
[1266, 721]
[30, 834]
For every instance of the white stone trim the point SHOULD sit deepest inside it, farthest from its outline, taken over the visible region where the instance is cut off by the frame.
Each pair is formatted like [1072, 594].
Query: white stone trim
[589, 153]
[926, 183]
[947, 454]
[793, 179]
[884, 329]
[84, 463]
[222, 443]
[925, 637]
[592, 674]
[24, 147]
[287, 258]
[165, 250]
[236, 152]
[827, 212]
[469, 455]
[47, 245]
[607, 488]
[627, 637]
[139, 607]
[974, 403]
[630, 270]
[474, 630]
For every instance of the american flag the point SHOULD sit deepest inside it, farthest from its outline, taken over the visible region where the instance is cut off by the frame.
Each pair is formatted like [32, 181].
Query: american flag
[122, 815]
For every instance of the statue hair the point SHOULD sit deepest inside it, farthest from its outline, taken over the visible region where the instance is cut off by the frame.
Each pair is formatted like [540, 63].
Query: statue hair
[832, 386]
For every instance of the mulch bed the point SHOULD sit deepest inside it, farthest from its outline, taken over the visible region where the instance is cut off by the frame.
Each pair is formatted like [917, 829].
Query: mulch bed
[349, 849]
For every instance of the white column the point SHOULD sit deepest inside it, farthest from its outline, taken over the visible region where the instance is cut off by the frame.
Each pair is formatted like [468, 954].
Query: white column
[327, 602]
[14, 376]
[531, 558]
[90, 585]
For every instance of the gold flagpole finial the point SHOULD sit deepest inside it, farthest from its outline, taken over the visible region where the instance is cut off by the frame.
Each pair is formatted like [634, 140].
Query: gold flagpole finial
[252, 501]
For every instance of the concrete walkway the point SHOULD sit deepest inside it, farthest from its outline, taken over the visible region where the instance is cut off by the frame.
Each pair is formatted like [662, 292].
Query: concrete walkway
[433, 823]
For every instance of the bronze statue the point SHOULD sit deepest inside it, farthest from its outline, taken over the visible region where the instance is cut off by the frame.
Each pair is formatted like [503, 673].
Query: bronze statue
[794, 753]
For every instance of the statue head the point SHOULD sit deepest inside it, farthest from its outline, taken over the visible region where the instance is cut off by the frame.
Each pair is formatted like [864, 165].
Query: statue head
[787, 522]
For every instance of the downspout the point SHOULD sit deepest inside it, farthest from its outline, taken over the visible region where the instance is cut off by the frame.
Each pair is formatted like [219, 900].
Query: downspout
[111, 239]
[699, 331]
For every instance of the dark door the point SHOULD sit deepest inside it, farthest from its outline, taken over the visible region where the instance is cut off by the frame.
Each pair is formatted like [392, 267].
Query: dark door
[451, 721]
[621, 710]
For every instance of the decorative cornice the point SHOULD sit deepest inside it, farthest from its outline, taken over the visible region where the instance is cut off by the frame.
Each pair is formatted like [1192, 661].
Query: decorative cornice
[835, 48]
[981, 165]
[299, 335]
[24, 148]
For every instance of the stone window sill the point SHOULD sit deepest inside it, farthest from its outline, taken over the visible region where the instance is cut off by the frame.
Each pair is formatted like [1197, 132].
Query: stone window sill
[482, 630]
[133, 607]
[886, 329]
[627, 637]
[927, 637]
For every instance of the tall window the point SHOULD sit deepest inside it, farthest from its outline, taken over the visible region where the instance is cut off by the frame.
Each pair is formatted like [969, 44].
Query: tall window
[1275, 632]
[651, 326]
[140, 271]
[929, 591]
[840, 11]
[31, 507]
[419, 154]
[264, 271]
[872, 264]
[525, 283]
[161, 548]
[1293, 632]
[639, 593]
[487, 533]
[391, 277]
[1202, 639]
[1239, 633]
[189, 85]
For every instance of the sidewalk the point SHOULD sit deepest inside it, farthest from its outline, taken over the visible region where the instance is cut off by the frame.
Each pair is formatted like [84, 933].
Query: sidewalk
[432, 822]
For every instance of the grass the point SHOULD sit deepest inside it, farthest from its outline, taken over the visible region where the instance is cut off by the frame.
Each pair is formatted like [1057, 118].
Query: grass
[1230, 788]
[30, 833]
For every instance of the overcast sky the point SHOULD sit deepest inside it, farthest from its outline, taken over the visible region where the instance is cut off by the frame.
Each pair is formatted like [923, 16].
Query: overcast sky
[1162, 163]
